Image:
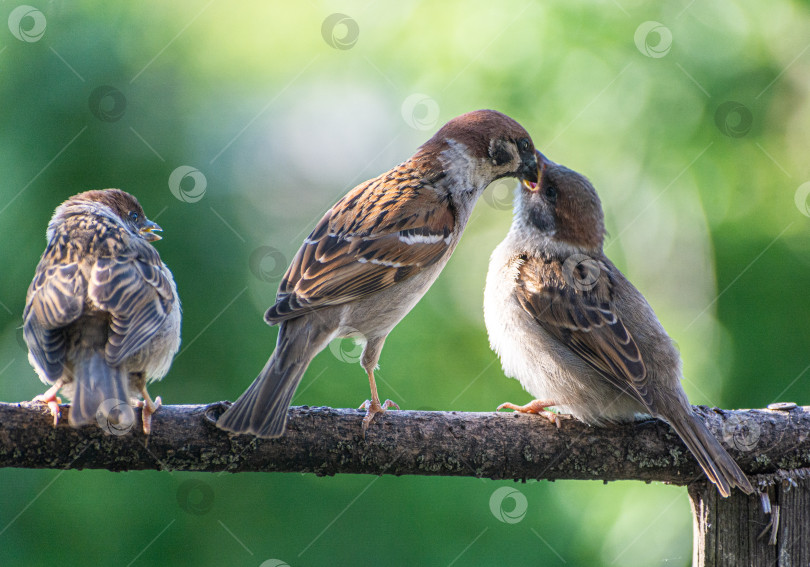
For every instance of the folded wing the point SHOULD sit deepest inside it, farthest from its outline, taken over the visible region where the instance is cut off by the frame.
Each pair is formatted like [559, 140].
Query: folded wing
[381, 233]
[577, 309]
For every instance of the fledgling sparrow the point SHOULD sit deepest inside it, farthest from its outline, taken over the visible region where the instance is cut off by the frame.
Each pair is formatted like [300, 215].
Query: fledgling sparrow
[102, 315]
[575, 332]
[374, 254]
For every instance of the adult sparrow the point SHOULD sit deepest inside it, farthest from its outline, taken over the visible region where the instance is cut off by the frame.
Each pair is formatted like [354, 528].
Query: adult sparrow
[374, 254]
[575, 332]
[102, 315]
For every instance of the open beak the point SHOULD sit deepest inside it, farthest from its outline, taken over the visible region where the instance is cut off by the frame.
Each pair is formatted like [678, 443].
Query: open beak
[540, 166]
[148, 231]
[528, 173]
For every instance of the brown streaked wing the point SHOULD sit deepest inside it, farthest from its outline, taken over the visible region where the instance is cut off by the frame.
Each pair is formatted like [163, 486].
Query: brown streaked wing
[54, 300]
[380, 233]
[135, 289]
[585, 321]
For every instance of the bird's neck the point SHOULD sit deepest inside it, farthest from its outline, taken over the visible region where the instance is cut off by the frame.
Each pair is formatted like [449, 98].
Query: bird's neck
[462, 169]
[547, 245]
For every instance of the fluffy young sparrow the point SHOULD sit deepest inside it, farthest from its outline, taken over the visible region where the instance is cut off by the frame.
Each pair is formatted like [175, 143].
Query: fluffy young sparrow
[374, 254]
[575, 332]
[102, 315]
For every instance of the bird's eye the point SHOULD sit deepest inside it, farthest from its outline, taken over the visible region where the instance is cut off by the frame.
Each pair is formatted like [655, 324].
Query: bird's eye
[551, 193]
[133, 216]
[523, 145]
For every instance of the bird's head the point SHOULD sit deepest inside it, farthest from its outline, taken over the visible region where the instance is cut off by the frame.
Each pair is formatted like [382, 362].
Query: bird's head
[562, 206]
[482, 146]
[120, 205]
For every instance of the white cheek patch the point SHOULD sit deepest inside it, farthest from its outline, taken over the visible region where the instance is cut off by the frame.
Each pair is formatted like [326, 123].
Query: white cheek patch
[459, 165]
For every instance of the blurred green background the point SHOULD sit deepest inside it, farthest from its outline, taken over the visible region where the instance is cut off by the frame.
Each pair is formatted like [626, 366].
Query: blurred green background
[690, 118]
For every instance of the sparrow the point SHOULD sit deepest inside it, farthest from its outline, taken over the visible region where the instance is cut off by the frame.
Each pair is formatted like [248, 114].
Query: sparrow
[575, 332]
[102, 314]
[373, 256]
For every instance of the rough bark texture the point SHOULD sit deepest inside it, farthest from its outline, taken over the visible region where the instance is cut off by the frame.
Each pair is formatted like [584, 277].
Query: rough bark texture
[736, 531]
[772, 446]
[328, 441]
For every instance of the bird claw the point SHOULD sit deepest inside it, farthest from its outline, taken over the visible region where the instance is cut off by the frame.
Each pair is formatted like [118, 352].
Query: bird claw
[52, 400]
[537, 407]
[374, 407]
[148, 408]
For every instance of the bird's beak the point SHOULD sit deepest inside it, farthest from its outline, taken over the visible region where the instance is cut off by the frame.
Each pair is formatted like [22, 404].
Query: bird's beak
[539, 161]
[148, 231]
[528, 173]
[542, 161]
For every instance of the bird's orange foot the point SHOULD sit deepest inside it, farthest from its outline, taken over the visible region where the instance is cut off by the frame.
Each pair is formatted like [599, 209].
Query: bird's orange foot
[537, 407]
[374, 407]
[52, 400]
[148, 407]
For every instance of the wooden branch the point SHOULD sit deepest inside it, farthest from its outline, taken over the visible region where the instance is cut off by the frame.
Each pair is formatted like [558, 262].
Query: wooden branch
[328, 441]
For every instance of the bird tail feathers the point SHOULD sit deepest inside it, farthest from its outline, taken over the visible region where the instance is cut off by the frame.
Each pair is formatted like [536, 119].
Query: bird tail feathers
[718, 465]
[262, 409]
[99, 387]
